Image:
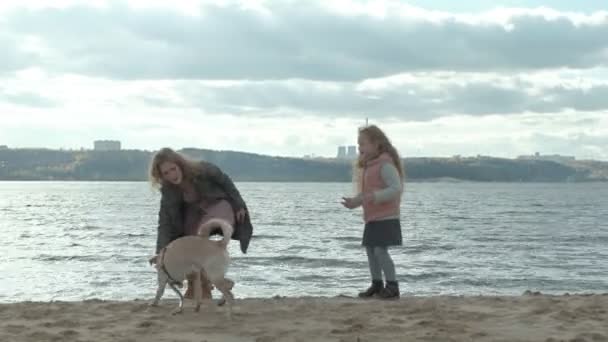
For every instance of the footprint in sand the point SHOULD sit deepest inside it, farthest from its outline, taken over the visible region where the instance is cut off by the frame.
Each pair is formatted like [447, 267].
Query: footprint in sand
[265, 339]
[148, 324]
[139, 308]
[14, 328]
[353, 328]
[69, 333]
[595, 337]
[62, 323]
[44, 336]
[390, 328]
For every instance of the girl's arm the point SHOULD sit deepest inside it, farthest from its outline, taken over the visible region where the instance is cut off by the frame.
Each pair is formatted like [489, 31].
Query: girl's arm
[393, 188]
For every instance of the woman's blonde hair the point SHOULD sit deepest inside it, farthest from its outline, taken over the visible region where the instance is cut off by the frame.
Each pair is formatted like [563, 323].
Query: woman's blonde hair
[189, 168]
[377, 136]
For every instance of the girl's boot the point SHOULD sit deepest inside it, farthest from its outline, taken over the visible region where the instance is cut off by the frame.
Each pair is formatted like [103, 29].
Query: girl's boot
[372, 290]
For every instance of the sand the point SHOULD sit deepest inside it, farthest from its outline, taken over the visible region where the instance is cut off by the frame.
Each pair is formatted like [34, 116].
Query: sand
[530, 317]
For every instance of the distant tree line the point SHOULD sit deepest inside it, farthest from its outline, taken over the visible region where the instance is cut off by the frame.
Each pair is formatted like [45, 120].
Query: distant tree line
[132, 165]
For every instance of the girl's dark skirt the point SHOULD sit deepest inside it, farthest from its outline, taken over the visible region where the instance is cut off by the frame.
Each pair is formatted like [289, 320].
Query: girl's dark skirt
[382, 233]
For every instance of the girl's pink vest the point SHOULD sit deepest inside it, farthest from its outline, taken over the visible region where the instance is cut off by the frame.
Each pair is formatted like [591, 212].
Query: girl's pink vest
[372, 181]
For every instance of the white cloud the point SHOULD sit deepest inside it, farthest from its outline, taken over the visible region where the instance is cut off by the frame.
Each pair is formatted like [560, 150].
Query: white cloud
[262, 75]
[410, 97]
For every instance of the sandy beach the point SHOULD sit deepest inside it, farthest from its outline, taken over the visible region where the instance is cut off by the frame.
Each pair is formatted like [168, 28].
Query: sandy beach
[530, 317]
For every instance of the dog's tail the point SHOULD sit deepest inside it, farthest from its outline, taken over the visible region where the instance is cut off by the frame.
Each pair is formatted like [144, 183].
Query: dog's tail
[205, 229]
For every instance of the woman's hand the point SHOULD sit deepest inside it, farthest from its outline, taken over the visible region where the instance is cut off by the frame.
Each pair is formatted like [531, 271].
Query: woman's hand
[240, 215]
[153, 260]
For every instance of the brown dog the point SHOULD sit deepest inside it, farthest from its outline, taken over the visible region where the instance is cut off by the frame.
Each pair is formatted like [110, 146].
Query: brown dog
[196, 255]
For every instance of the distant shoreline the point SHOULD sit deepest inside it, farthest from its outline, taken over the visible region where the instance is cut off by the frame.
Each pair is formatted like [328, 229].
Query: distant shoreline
[132, 165]
[426, 180]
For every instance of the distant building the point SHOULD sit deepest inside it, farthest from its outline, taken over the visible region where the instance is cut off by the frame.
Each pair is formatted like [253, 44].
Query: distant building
[347, 152]
[549, 157]
[352, 152]
[106, 145]
[341, 152]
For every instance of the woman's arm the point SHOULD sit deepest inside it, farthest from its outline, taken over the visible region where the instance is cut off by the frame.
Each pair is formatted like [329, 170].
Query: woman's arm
[168, 214]
[223, 180]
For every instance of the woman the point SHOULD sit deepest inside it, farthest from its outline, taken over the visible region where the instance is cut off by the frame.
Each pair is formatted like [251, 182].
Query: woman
[192, 193]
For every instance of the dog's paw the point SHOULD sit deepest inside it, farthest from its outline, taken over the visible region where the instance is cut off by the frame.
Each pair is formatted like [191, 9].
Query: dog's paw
[176, 312]
[153, 304]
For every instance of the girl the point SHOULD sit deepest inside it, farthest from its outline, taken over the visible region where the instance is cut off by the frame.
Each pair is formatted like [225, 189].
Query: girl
[192, 193]
[379, 178]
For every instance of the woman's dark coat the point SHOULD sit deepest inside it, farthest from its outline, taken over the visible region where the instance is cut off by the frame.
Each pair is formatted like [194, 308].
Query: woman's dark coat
[212, 184]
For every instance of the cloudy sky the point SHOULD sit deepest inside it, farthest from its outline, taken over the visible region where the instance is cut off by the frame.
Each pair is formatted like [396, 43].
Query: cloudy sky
[290, 78]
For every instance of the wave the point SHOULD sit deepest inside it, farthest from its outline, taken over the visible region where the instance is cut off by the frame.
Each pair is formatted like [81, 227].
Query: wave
[297, 261]
[268, 237]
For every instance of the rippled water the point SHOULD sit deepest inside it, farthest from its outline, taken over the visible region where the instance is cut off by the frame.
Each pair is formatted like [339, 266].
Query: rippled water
[81, 240]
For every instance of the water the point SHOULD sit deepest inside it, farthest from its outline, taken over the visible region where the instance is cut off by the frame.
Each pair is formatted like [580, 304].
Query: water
[83, 240]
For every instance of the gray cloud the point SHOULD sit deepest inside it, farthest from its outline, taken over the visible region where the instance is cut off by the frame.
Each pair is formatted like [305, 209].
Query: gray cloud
[309, 43]
[590, 139]
[593, 99]
[26, 99]
[540, 121]
[412, 101]
[12, 57]
[581, 145]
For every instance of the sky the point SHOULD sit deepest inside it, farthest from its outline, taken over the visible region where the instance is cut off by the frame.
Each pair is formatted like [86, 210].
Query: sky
[295, 78]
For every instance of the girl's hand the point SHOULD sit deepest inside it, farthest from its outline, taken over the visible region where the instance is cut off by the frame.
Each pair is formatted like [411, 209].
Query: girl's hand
[240, 215]
[355, 202]
[350, 202]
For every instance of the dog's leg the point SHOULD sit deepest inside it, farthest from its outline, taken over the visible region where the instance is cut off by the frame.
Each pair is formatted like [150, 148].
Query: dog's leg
[162, 283]
[180, 308]
[230, 284]
[225, 287]
[198, 291]
[206, 286]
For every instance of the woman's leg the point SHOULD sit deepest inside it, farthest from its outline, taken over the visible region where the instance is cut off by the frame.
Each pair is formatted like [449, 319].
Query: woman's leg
[190, 289]
[205, 286]
[222, 210]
